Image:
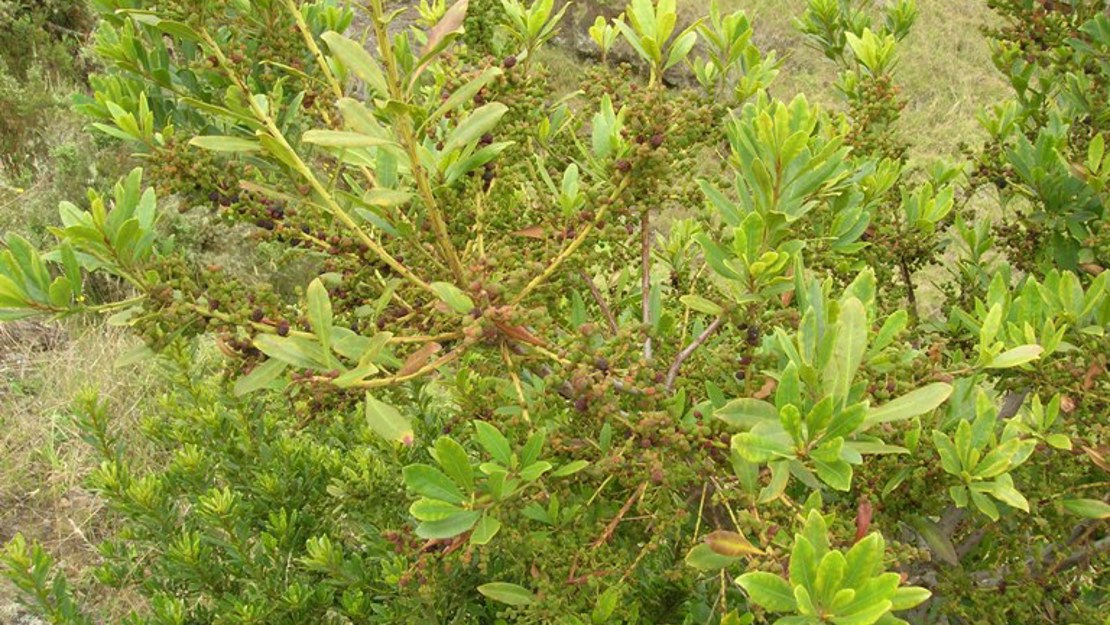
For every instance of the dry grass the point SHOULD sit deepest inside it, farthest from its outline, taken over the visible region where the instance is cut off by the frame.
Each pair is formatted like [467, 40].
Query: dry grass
[945, 68]
[43, 462]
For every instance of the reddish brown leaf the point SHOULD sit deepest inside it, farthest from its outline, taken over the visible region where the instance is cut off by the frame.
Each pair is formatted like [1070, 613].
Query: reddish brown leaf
[765, 391]
[1067, 404]
[1095, 370]
[532, 232]
[451, 22]
[419, 358]
[1098, 457]
[518, 333]
[863, 518]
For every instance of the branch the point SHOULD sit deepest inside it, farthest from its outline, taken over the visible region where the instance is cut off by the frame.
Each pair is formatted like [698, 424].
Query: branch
[572, 247]
[605, 310]
[612, 527]
[672, 373]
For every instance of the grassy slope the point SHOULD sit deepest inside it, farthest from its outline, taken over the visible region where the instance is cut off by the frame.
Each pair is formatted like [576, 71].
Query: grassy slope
[946, 76]
[945, 68]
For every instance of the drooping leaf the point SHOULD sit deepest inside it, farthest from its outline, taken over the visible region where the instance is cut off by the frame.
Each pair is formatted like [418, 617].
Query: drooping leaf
[387, 421]
[453, 296]
[732, 544]
[1087, 508]
[260, 377]
[703, 558]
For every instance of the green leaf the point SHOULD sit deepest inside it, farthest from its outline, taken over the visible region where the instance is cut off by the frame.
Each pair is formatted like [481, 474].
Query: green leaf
[570, 468]
[680, 49]
[532, 472]
[453, 296]
[225, 144]
[759, 449]
[494, 442]
[1058, 441]
[848, 349]
[1016, 356]
[912, 404]
[449, 527]
[746, 413]
[430, 482]
[829, 574]
[260, 377]
[387, 421]
[1087, 508]
[320, 314]
[908, 597]
[984, 504]
[465, 93]
[478, 123]
[509, 594]
[343, 139]
[485, 530]
[425, 509]
[769, 591]
[939, 542]
[703, 558]
[700, 304]
[358, 60]
[453, 459]
[836, 473]
[294, 350]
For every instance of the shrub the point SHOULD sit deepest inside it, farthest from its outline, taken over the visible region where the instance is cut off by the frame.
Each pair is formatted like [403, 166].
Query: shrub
[508, 395]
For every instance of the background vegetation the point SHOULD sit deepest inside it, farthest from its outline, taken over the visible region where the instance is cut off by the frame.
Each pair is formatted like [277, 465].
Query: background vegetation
[302, 494]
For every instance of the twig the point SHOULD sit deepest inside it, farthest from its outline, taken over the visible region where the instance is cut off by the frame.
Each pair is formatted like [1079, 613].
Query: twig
[601, 303]
[645, 276]
[911, 295]
[612, 527]
[672, 373]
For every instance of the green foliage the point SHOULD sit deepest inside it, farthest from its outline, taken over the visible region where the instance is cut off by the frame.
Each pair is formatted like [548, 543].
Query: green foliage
[832, 586]
[577, 358]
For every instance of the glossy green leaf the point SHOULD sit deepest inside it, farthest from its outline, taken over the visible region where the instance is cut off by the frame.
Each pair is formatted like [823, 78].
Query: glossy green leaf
[430, 482]
[769, 591]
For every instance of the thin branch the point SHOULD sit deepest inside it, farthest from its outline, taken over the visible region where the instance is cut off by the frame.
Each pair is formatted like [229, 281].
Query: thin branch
[572, 247]
[672, 373]
[612, 527]
[601, 303]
